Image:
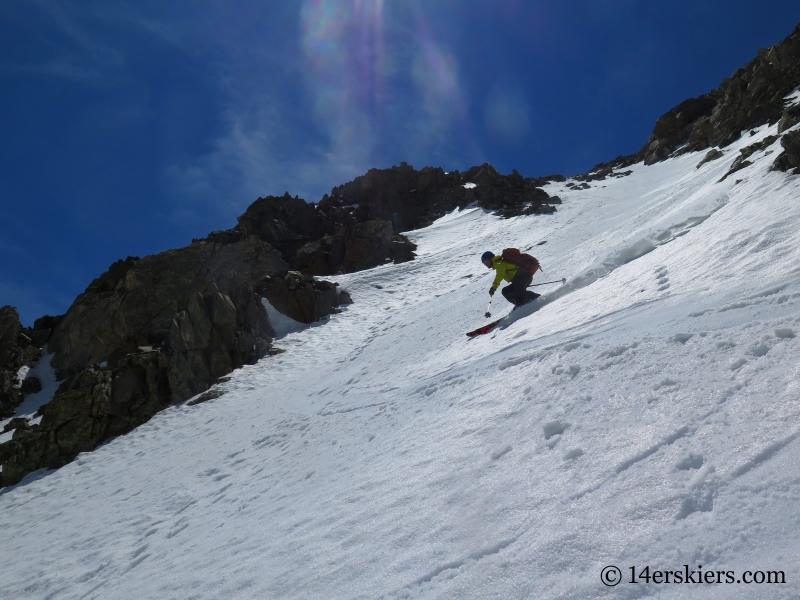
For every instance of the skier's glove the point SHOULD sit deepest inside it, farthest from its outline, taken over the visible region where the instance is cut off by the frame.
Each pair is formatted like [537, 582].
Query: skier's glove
[491, 291]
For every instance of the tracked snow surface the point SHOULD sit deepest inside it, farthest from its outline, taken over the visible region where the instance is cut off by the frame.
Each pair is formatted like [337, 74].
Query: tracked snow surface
[645, 413]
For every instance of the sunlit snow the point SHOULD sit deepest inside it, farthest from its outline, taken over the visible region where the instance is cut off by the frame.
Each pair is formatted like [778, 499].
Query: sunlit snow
[644, 413]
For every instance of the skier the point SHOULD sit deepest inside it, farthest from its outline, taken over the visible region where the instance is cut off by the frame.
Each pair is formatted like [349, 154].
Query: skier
[519, 273]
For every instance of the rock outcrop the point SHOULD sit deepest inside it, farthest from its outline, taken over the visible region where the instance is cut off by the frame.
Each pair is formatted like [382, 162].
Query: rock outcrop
[89, 408]
[153, 331]
[677, 125]
[195, 304]
[16, 351]
[789, 159]
[302, 297]
[741, 161]
[322, 240]
[411, 199]
[359, 224]
[606, 169]
[754, 95]
[145, 334]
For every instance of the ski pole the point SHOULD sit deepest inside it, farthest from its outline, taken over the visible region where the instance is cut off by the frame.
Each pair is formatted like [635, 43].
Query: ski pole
[564, 280]
[488, 314]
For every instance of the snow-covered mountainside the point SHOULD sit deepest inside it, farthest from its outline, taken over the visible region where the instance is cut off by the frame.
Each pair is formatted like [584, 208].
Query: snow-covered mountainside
[645, 413]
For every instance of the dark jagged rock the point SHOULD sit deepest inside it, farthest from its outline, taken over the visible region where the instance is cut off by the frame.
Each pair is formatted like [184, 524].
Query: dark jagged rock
[674, 128]
[164, 327]
[531, 209]
[402, 249]
[42, 329]
[360, 224]
[503, 192]
[790, 157]
[412, 199]
[712, 154]
[223, 236]
[603, 170]
[790, 118]
[353, 247]
[195, 300]
[741, 161]
[10, 361]
[206, 396]
[607, 169]
[368, 243]
[31, 385]
[15, 424]
[16, 351]
[89, 408]
[324, 239]
[540, 181]
[754, 95]
[282, 221]
[301, 297]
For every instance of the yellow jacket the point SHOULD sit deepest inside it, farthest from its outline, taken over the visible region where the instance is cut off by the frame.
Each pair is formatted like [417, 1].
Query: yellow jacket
[505, 270]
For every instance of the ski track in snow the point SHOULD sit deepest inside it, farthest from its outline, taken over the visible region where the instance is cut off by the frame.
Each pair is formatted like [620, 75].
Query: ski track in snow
[644, 413]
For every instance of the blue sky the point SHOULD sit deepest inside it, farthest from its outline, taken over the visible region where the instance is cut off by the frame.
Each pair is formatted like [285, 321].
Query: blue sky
[127, 128]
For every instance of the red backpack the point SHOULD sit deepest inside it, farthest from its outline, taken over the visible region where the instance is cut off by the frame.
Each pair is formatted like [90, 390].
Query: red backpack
[525, 262]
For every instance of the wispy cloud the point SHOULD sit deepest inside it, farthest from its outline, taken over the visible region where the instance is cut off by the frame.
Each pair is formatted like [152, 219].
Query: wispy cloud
[81, 55]
[371, 84]
[258, 155]
[85, 48]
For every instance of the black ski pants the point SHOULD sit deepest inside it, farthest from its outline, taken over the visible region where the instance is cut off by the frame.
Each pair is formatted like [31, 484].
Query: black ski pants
[516, 292]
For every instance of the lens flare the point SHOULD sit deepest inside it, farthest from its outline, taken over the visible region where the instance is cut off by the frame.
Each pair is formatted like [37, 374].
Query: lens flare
[343, 46]
[435, 73]
[369, 75]
[506, 115]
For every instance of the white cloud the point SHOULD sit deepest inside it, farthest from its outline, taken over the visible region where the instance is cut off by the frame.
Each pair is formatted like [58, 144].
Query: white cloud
[258, 155]
[84, 57]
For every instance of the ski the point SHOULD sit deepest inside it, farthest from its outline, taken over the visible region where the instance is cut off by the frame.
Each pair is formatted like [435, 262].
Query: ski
[491, 326]
[485, 328]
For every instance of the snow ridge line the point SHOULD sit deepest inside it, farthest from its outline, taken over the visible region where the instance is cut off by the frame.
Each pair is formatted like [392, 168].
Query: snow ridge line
[763, 456]
[326, 411]
[670, 439]
[747, 466]
[579, 335]
[626, 254]
[456, 564]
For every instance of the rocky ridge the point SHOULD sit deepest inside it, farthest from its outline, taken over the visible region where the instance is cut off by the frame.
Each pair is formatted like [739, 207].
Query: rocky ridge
[359, 224]
[146, 334]
[756, 94]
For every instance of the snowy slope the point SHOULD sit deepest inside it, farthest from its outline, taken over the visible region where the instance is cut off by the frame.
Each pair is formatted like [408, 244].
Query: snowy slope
[645, 413]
